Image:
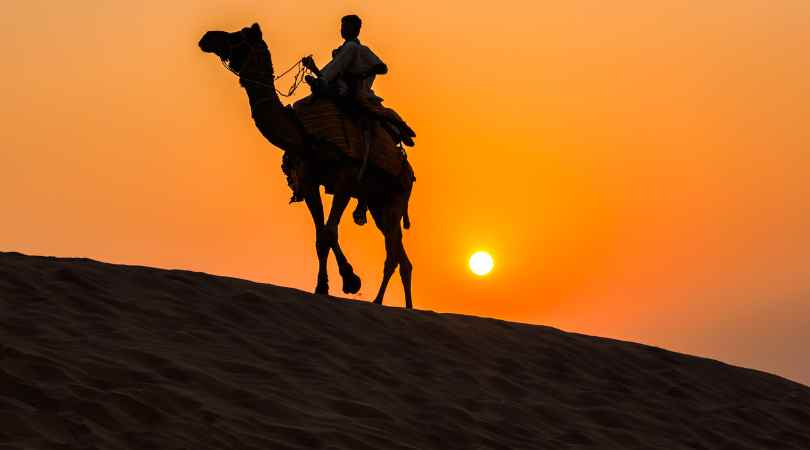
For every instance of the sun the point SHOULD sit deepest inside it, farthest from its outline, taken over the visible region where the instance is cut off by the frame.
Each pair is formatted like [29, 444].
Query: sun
[481, 263]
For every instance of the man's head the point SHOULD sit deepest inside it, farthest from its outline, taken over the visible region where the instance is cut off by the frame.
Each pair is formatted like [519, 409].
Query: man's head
[350, 27]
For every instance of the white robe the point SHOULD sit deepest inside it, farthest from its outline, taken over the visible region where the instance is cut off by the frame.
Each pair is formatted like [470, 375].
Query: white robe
[352, 58]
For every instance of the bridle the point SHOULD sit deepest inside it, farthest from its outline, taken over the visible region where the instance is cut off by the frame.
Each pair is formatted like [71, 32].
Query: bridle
[248, 59]
[299, 75]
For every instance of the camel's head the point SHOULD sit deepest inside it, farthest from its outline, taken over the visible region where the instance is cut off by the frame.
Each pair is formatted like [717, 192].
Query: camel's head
[240, 49]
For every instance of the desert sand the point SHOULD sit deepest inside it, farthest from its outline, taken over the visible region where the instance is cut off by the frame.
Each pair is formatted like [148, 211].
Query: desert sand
[95, 355]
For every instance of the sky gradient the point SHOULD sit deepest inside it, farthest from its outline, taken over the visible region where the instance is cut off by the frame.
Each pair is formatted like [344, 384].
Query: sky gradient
[638, 170]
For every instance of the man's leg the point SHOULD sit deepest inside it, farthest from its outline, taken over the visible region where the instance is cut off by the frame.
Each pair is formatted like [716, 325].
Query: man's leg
[359, 214]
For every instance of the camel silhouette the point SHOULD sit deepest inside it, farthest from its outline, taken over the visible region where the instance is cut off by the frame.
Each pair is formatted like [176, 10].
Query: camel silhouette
[310, 164]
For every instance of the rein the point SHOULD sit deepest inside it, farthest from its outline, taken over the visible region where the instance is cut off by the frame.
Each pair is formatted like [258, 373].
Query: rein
[298, 79]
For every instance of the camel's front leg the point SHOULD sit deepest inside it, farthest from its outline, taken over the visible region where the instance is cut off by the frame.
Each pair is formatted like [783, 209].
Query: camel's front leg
[351, 282]
[326, 238]
[313, 201]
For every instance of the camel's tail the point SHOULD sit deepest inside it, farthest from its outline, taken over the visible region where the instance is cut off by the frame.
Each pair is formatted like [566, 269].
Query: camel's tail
[406, 218]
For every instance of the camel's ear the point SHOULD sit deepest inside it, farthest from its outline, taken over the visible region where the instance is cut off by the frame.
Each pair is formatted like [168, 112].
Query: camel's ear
[256, 31]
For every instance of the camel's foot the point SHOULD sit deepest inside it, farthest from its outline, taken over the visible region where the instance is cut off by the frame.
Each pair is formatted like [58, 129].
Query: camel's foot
[351, 282]
[323, 286]
[377, 301]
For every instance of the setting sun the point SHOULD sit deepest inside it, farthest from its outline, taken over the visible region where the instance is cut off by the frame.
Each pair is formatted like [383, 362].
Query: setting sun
[481, 263]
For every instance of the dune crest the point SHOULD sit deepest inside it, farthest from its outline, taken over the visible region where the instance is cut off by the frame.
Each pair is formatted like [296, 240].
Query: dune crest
[95, 355]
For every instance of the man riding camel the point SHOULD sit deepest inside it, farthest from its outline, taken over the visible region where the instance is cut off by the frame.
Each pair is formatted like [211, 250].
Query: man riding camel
[348, 80]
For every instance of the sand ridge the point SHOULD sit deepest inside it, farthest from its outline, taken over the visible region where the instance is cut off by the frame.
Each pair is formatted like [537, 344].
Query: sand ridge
[95, 355]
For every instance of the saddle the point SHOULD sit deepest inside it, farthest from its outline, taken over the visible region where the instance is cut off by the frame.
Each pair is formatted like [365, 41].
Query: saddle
[361, 107]
[343, 126]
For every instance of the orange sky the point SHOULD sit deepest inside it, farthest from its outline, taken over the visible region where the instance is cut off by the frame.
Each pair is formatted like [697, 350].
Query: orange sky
[638, 169]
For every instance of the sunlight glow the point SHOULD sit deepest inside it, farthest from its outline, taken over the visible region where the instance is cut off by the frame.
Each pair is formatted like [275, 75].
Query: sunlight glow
[481, 263]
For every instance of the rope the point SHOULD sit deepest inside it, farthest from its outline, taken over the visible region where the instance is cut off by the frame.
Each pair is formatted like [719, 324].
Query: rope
[298, 79]
[288, 70]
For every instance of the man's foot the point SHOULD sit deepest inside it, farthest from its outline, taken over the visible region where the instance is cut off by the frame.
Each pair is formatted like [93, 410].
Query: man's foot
[359, 215]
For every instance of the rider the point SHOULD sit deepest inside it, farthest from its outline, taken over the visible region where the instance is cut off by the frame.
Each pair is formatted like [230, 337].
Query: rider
[351, 74]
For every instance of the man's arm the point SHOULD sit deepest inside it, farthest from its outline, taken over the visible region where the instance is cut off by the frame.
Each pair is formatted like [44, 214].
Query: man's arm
[377, 69]
[340, 62]
[375, 65]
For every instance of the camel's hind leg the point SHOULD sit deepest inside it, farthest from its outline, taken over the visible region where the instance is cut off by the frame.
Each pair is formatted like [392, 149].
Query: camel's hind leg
[387, 220]
[391, 262]
[405, 271]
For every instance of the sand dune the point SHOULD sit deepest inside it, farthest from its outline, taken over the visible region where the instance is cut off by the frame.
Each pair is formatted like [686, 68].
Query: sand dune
[94, 355]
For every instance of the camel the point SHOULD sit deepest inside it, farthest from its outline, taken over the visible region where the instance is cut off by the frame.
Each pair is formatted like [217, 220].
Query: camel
[310, 164]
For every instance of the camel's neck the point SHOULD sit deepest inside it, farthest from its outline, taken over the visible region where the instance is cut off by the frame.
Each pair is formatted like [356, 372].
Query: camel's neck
[275, 121]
